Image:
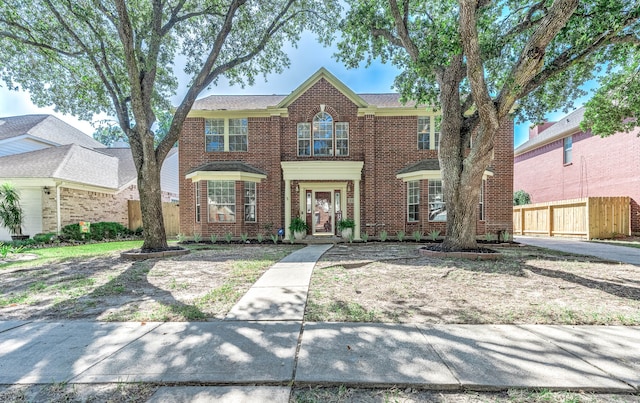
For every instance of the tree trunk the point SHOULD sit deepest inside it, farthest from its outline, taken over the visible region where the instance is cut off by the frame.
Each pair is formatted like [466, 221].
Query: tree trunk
[148, 169]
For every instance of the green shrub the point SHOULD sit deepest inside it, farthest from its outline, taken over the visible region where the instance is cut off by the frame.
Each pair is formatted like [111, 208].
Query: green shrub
[400, 236]
[98, 231]
[383, 235]
[44, 238]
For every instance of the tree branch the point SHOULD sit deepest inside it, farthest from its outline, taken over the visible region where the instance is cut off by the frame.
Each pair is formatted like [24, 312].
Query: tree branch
[403, 30]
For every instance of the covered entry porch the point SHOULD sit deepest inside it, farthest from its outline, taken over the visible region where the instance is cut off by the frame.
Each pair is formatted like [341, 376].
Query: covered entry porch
[323, 190]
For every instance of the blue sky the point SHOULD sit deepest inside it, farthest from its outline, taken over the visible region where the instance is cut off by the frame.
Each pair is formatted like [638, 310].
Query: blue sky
[306, 59]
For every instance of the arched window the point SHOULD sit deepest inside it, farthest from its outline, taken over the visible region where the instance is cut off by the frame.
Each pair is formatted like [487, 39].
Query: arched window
[323, 137]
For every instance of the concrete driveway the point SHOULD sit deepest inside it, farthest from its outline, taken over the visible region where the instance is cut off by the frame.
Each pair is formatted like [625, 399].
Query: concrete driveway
[606, 251]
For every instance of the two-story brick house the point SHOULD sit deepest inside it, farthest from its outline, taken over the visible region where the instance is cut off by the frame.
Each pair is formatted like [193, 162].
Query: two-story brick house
[560, 161]
[250, 163]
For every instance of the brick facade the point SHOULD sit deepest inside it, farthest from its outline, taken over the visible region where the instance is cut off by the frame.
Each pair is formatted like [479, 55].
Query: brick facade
[383, 142]
[600, 167]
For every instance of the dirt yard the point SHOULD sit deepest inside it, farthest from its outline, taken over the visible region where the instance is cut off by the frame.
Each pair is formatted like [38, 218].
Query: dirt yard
[394, 283]
[203, 285]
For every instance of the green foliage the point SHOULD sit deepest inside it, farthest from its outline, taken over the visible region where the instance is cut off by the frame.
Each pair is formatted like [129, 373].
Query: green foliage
[520, 197]
[615, 107]
[244, 237]
[298, 225]
[99, 231]
[6, 249]
[346, 223]
[400, 235]
[11, 213]
[489, 237]
[260, 237]
[417, 236]
[88, 58]
[383, 235]
[213, 238]
[44, 238]
[434, 234]
[274, 238]
[180, 237]
[365, 237]
[228, 237]
[197, 237]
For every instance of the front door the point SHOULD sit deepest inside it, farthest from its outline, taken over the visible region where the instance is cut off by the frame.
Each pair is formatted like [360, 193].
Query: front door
[323, 216]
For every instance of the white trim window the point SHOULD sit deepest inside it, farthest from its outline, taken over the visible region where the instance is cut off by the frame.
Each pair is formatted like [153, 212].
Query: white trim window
[250, 198]
[436, 133]
[221, 197]
[323, 137]
[437, 206]
[481, 207]
[197, 201]
[226, 135]
[424, 132]
[413, 201]
[214, 135]
[567, 147]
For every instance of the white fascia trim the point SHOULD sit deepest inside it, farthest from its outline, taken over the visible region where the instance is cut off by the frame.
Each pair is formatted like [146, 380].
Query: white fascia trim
[225, 176]
[430, 175]
[322, 170]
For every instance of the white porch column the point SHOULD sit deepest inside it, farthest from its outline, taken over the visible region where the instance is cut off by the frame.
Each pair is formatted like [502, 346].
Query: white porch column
[356, 208]
[287, 207]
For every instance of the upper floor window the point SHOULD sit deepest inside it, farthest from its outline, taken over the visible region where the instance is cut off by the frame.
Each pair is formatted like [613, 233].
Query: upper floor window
[568, 148]
[226, 134]
[322, 137]
[429, 132]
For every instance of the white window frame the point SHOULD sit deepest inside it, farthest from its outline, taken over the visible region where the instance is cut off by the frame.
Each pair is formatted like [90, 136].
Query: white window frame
[413, 200]
[251, 200]
[309, 132]
[198, 211]
[230, 129]
[567, 150]
[226, 200]
[481, 207]
[424, 128]
[433, 202]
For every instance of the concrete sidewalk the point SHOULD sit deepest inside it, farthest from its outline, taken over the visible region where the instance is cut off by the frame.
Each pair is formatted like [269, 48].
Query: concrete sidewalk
[615, 253]
[263, 348]
[452, 357]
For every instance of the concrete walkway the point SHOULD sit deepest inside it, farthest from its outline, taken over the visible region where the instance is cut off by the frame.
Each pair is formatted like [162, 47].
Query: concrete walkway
[615, 253]
[258, 359]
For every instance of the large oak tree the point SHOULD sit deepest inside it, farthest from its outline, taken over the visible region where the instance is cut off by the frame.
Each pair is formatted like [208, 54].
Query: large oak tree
[116, 57]
[478, 60]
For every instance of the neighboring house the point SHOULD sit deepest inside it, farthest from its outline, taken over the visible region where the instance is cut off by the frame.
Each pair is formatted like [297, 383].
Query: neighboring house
[250, 163]
[65, 176]
[560, 162]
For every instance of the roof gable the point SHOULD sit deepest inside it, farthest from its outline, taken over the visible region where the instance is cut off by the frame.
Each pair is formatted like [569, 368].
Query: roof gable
[323, 73]
[46, 128]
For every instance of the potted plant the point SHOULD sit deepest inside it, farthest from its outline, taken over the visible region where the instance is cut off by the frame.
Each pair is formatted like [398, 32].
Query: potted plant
[11, 214]
[298, 227]
[346, 226]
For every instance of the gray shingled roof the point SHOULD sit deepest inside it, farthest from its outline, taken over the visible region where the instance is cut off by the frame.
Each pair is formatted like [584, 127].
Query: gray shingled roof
[429, 164]
[256, 102]
[126, 167]
[46, 127]
[562, 127]
[228, 166]
[71, 163]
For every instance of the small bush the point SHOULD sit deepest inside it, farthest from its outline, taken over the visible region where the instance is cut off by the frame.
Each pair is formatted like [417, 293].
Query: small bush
[98, 231]
[44, 238]
[365, 237]
[417, 236]
[400, 236]
[214, 238]
[383, 235]
[434, 234]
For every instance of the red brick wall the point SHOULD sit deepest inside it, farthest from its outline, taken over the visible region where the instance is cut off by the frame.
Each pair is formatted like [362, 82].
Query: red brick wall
[385, 145]
[600, 167]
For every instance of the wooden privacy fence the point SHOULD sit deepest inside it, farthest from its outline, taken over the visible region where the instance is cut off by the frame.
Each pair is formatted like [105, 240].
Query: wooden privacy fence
[590, 217]
[170, 212]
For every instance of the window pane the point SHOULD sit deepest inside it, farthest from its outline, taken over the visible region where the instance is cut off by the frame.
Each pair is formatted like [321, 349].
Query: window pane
[197, 201]
[237, 143]
[437, 132]
[250, 201]
[568, 147]
[413, 201]
[322, 134]
[214, 143]
[437, 207]
[238, 126]
[304, 139]
[342, 138]
[214, 126]
[424, 131]
[222, 201]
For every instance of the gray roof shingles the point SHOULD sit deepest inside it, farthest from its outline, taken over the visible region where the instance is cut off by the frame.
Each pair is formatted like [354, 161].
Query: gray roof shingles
[228, 166]
[568, 123]
[46, 127]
